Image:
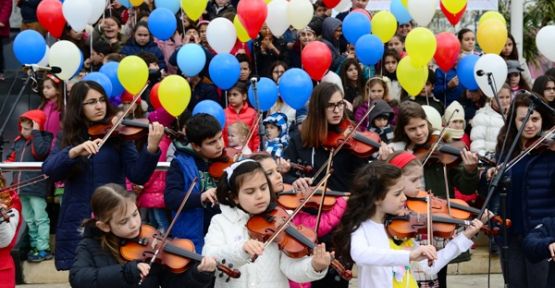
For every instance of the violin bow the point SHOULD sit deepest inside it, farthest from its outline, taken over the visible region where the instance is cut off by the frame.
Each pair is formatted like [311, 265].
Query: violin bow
[447, 197]
[347, 138]
[325, 186]
[525, 152]
[24, 183]
[429, 222]
[441, 134]
[165, 237]
[120, 119]
[251, 134]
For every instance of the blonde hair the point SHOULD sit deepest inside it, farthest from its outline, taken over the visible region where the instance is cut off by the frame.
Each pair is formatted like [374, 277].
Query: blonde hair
[366, 95]
[240, 127]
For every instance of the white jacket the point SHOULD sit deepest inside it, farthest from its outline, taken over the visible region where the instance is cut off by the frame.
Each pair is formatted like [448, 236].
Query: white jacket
[485, 128]
[225, 238]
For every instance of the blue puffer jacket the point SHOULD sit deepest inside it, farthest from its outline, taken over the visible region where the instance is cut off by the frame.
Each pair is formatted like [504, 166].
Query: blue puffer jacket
[536, 246]
[444, 93]
[132, 48]
[115, 161]
[194, 219]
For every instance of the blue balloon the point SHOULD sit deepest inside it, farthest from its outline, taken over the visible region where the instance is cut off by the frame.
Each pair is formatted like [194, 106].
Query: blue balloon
[267, 93]
[29, 47]
[295, 87]
[369, 49]
[355, 25]
[191, 59]
[224, 70]
[101, 79]
[162, 23]
[110, 69]
[465, 71]
[400, 12]
[124, 3]
[211, 107]
[172, 5]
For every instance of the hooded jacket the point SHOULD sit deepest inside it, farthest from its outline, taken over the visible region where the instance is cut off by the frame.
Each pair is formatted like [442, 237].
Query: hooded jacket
[275, 146]
[329, 26]
[33, 149]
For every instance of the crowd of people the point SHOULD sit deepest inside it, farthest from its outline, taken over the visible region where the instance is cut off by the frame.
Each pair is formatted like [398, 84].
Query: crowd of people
[108, 189]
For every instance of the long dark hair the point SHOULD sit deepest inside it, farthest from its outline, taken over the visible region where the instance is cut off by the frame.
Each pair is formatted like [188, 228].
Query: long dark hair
[346, 81]
[514, 53]
[314, 131]
[57, 83]
[540, 84]
[370, 184]
[74, 121]
[409, 110]
[521, 100]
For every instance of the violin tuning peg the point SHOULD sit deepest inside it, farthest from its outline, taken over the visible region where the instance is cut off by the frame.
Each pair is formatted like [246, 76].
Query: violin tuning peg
[227, 280]
[230, 265]
[223, 261]
[221, 274]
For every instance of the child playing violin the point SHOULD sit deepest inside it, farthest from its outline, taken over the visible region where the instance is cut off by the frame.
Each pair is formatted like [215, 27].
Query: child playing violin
[10, 207]
[243, 191]
[98, 262]
[378, 191]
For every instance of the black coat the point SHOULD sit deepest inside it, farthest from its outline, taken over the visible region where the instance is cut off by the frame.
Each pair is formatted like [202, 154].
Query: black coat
[536, 245]
[96, 267]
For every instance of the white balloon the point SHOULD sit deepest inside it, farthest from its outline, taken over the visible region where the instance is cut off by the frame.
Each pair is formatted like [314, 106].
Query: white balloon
[67, 56]
[422, 11]
[77, 13]
[545, 41]
[494, 64]
[277, 13]
[221, 35]
[343, 6]
[299, 13]
[97, 8]
[44, 61]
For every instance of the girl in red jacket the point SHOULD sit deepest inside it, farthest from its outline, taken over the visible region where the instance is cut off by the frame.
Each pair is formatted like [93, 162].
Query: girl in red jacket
[238, 110]
[10, 205]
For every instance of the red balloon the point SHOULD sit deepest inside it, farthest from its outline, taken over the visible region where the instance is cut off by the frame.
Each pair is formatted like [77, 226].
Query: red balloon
[154, 101]
[453, 18]
[331, 3]
[316, 59]
[252, 14]
[447, 52]
[51, 17]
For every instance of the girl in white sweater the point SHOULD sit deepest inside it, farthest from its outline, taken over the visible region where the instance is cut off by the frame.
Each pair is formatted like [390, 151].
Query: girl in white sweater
[244, 190]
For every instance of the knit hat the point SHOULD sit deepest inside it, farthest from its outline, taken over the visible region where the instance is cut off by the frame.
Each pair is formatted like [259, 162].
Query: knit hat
[455, 109]
[433, 116]
[513, 67]
[279, 120]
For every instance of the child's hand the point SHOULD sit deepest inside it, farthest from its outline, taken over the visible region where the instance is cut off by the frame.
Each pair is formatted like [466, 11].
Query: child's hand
[144, 268]
[36, 125]
[283, 165]
[384, 151]
[302, 184]
[423, 252]
[551, 248]
[470, 160]
[321, 259]
[209, 196]
[86, 148]
[490, 173]
[473, 229]
[207, 264]
[253, 247]
[155, 133]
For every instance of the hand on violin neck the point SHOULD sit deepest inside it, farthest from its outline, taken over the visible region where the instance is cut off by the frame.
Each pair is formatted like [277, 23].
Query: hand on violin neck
[385, 151]
[253, 247]
[321, 259]
[155, 133]
[473, 228]
[86, 148]
[486, 216]
[207, 264]
[302, 184]
[423, 252]
[470, 160]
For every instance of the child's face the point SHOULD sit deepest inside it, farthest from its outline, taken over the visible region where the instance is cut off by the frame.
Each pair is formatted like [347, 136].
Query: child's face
[468, 40]
[94, 106]
[272, 131]
[221, 3]
[245, 71]
[126, 225]
[26, 128]
[395, 43]
[96, 58]
[49, 90]
[390, 64]
[322, 11]
[234, 138]
[413, 177]
[210, 148]
[306, 37]
[235, 98]
[142, 36]
[376, 92]
[549, 91]
[514, 79]
[395, 200]
[270, 169]
[427, 90]
[110, 28]
[504, 99]
[532, 127]
[457, 124]
[417, 130]
[254, 194]
[381, 121]
[361, 4]
[352, 73]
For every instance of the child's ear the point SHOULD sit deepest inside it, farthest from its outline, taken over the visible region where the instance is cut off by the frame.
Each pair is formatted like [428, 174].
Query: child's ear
[195, 147]
[102, 226]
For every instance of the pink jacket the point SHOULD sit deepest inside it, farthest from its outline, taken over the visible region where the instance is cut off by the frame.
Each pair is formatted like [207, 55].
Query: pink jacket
[152, 195]
[328, 221]
[248, 116]
[52, 124]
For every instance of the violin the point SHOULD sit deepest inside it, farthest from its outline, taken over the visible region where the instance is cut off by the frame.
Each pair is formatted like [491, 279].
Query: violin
[290, 199]
[130, 130]
[6, 199]
[295, 241]
[447, 154]
[217, 167]
[362, 143]
[176, 253]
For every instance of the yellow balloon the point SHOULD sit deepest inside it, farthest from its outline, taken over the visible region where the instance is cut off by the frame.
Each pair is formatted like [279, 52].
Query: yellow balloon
[242, 33]
[194, 8]
[454, 6]
[132, 74]
[405, 3]
[267, 1]
[174, 93]
[384, 25]
[411, 78]
[492, 36]
[421, 45]
[136, 3]
[492, 15]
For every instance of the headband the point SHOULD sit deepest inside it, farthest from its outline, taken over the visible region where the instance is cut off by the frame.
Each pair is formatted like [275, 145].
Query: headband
[402, 159]
[54, 79]
[229, 170]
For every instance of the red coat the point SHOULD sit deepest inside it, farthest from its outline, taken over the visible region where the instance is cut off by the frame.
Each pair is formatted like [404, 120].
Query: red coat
[5, 12]
[7, 266]
[248, 116]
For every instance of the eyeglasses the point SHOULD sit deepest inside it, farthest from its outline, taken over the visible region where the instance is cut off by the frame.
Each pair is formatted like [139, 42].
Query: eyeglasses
[93, 102]
[340, 105]
[549, 89]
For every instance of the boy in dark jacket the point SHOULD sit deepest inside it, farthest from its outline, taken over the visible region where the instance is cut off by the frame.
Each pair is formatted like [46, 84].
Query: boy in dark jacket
[539, 245]
[192, 160]
[32, 145]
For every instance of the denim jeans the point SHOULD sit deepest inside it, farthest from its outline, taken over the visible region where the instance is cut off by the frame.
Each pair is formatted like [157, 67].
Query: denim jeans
[521, 273]
[38, 223]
